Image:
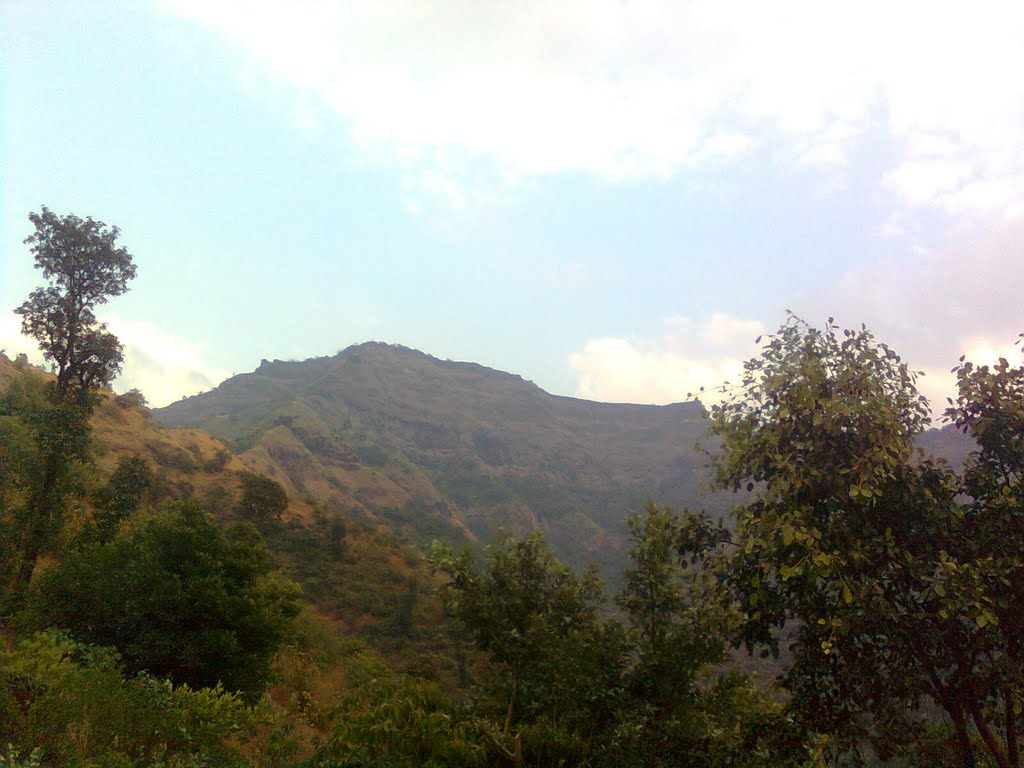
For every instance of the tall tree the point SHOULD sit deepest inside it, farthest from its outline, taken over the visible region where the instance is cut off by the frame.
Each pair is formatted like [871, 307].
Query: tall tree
[865, 548]
[561, 662]
[674, 618]
[84, 268]
[990, 408]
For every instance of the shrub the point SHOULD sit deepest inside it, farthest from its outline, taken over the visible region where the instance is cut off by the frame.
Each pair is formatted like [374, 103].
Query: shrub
[178, 598]
[68, 703]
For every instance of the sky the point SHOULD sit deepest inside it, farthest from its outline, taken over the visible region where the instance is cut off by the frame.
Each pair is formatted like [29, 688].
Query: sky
[612, 199]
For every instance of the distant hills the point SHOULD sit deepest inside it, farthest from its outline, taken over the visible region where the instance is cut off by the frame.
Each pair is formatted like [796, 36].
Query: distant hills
[441, 448]
[447, 448]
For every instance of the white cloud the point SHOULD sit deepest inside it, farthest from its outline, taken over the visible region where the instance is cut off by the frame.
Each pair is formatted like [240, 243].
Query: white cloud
[685, 358]
[963, 298]
[163, 366]
[921, 181]
[13, 343]
[643, 89]
[725, 145]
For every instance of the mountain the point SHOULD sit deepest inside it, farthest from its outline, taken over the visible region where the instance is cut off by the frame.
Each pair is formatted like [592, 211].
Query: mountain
[440, 448]
[448, 448]
[948, 443]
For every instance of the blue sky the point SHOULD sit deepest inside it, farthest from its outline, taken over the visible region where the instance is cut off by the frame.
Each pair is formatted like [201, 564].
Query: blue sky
[612, 199]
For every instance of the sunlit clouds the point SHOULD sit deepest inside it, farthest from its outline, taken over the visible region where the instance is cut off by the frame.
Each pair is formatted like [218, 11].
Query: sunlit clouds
[643, 89]
[684, 359]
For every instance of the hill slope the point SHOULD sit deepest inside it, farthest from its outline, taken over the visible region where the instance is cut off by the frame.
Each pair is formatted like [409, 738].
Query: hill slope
[439, 447]
[356, 575]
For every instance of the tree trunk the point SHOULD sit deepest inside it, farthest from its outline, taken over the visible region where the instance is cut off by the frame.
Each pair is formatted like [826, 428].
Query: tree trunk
[988, 738]
[963, 738]
[36, 524]
[1012, 747]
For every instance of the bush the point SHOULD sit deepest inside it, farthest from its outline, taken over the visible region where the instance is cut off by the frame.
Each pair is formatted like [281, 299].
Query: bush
[69, 704]
[263, 499]
[178, 598]
[399, 721]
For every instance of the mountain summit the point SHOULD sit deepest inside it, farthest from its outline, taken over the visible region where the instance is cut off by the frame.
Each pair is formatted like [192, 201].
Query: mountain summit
[449, 448]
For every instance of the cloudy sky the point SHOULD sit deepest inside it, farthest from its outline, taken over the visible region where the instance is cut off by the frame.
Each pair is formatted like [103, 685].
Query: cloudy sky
[612, 199]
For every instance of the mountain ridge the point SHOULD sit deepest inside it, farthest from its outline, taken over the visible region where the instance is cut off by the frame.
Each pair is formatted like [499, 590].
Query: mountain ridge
[451, 447]
[463, 451]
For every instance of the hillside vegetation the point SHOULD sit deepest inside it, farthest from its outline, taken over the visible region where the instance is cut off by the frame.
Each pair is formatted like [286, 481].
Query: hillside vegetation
[162, 604]
[441, 448]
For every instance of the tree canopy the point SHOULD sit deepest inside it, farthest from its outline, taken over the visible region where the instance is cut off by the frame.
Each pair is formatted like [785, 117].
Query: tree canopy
[178, 598]
[84, 268]
[900, 584]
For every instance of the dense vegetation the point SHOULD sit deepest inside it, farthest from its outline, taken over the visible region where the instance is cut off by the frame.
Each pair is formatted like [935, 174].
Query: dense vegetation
[193, 613]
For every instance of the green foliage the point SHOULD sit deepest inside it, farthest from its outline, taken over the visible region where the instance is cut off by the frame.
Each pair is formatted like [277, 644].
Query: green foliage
[983, 576]
[896, 591]
[70, 704]
[335, 538]
[12, 758]
[178, 598]
[675, 614]
[680, 709]
[218, 461]
[43, 444]
[84, 269]
[133, 398]
[542, 627]
[263, 498]
[172, 457]
[397, 721]
[123, 493]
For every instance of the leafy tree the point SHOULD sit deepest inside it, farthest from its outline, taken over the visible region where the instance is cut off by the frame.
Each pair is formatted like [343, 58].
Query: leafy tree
[861, 546]
[683, 709]
[19, 463]
[124, 492]
[337, 546]
[177, 598]
[133, 398]
[397, 721]
[84, 269]
[675, 619]
[263, 498]
[989, 566]
[674, 639]
[560, 662]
